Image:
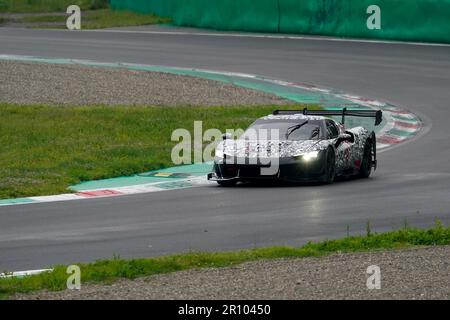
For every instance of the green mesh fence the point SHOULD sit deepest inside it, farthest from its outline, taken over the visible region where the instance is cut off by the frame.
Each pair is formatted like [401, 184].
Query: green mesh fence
[249, 15]
[412, 20]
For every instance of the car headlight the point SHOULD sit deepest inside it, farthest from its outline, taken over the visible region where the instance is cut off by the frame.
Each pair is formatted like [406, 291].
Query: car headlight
[309, 156]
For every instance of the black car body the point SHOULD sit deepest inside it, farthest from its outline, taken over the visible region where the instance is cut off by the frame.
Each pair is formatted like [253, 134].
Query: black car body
[298, 146]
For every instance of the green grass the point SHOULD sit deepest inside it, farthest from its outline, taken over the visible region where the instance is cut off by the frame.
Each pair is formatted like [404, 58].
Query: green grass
[34, 6]
[46, 149]
[44, 19]
[99, 19]
[107, 271]
[96, 14]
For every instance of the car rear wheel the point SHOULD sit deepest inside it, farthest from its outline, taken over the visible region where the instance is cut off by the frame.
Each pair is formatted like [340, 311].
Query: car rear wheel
[330, 170]
[227, 184]
[366, 163]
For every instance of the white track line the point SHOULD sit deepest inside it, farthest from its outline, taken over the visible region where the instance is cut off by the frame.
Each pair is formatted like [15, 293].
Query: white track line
[20, 274]
[268, 36]
[250, 35]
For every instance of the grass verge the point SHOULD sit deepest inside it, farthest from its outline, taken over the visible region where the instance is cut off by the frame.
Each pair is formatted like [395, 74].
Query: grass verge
[45, 149]
[38, 6]
[97, 19]
[109, 270]
[96, 14]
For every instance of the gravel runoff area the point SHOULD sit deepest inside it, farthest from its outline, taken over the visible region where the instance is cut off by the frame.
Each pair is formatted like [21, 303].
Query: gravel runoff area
[422, 273]
[36, 83]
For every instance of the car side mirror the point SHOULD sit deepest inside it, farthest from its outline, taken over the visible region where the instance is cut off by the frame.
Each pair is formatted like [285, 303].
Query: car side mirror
[344, 138]
[227, 136]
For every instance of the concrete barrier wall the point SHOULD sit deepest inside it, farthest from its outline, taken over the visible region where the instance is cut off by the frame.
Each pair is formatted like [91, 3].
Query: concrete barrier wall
[412, 20]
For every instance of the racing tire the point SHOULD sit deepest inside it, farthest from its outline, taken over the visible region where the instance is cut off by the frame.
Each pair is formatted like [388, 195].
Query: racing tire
[227, 184]
[366, 162]
[330, 169]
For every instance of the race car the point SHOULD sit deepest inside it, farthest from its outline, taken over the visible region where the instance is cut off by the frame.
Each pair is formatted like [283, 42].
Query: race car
[298, 146]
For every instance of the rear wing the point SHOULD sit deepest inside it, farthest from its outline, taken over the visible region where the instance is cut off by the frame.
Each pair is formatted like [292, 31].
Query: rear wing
[377, 114]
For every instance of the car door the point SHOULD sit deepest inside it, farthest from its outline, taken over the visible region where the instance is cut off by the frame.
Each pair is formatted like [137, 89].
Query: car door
[343, 148]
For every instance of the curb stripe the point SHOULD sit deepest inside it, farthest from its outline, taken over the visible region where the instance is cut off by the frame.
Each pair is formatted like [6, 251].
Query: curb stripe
[408, 125]
[7, 202]
[99, 193]
[404, 119]
[387, 140]
[401, 132]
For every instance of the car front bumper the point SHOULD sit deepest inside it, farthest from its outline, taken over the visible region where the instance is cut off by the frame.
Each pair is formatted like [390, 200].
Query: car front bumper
[287, 169]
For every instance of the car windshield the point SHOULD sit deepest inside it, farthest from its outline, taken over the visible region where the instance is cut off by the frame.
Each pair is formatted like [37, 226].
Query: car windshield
[284, 130]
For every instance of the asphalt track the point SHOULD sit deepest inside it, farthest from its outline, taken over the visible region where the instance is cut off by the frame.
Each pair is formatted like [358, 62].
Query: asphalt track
[412, 184]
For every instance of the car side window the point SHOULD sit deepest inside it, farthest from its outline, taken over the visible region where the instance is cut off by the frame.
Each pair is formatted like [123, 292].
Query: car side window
[332, 130]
